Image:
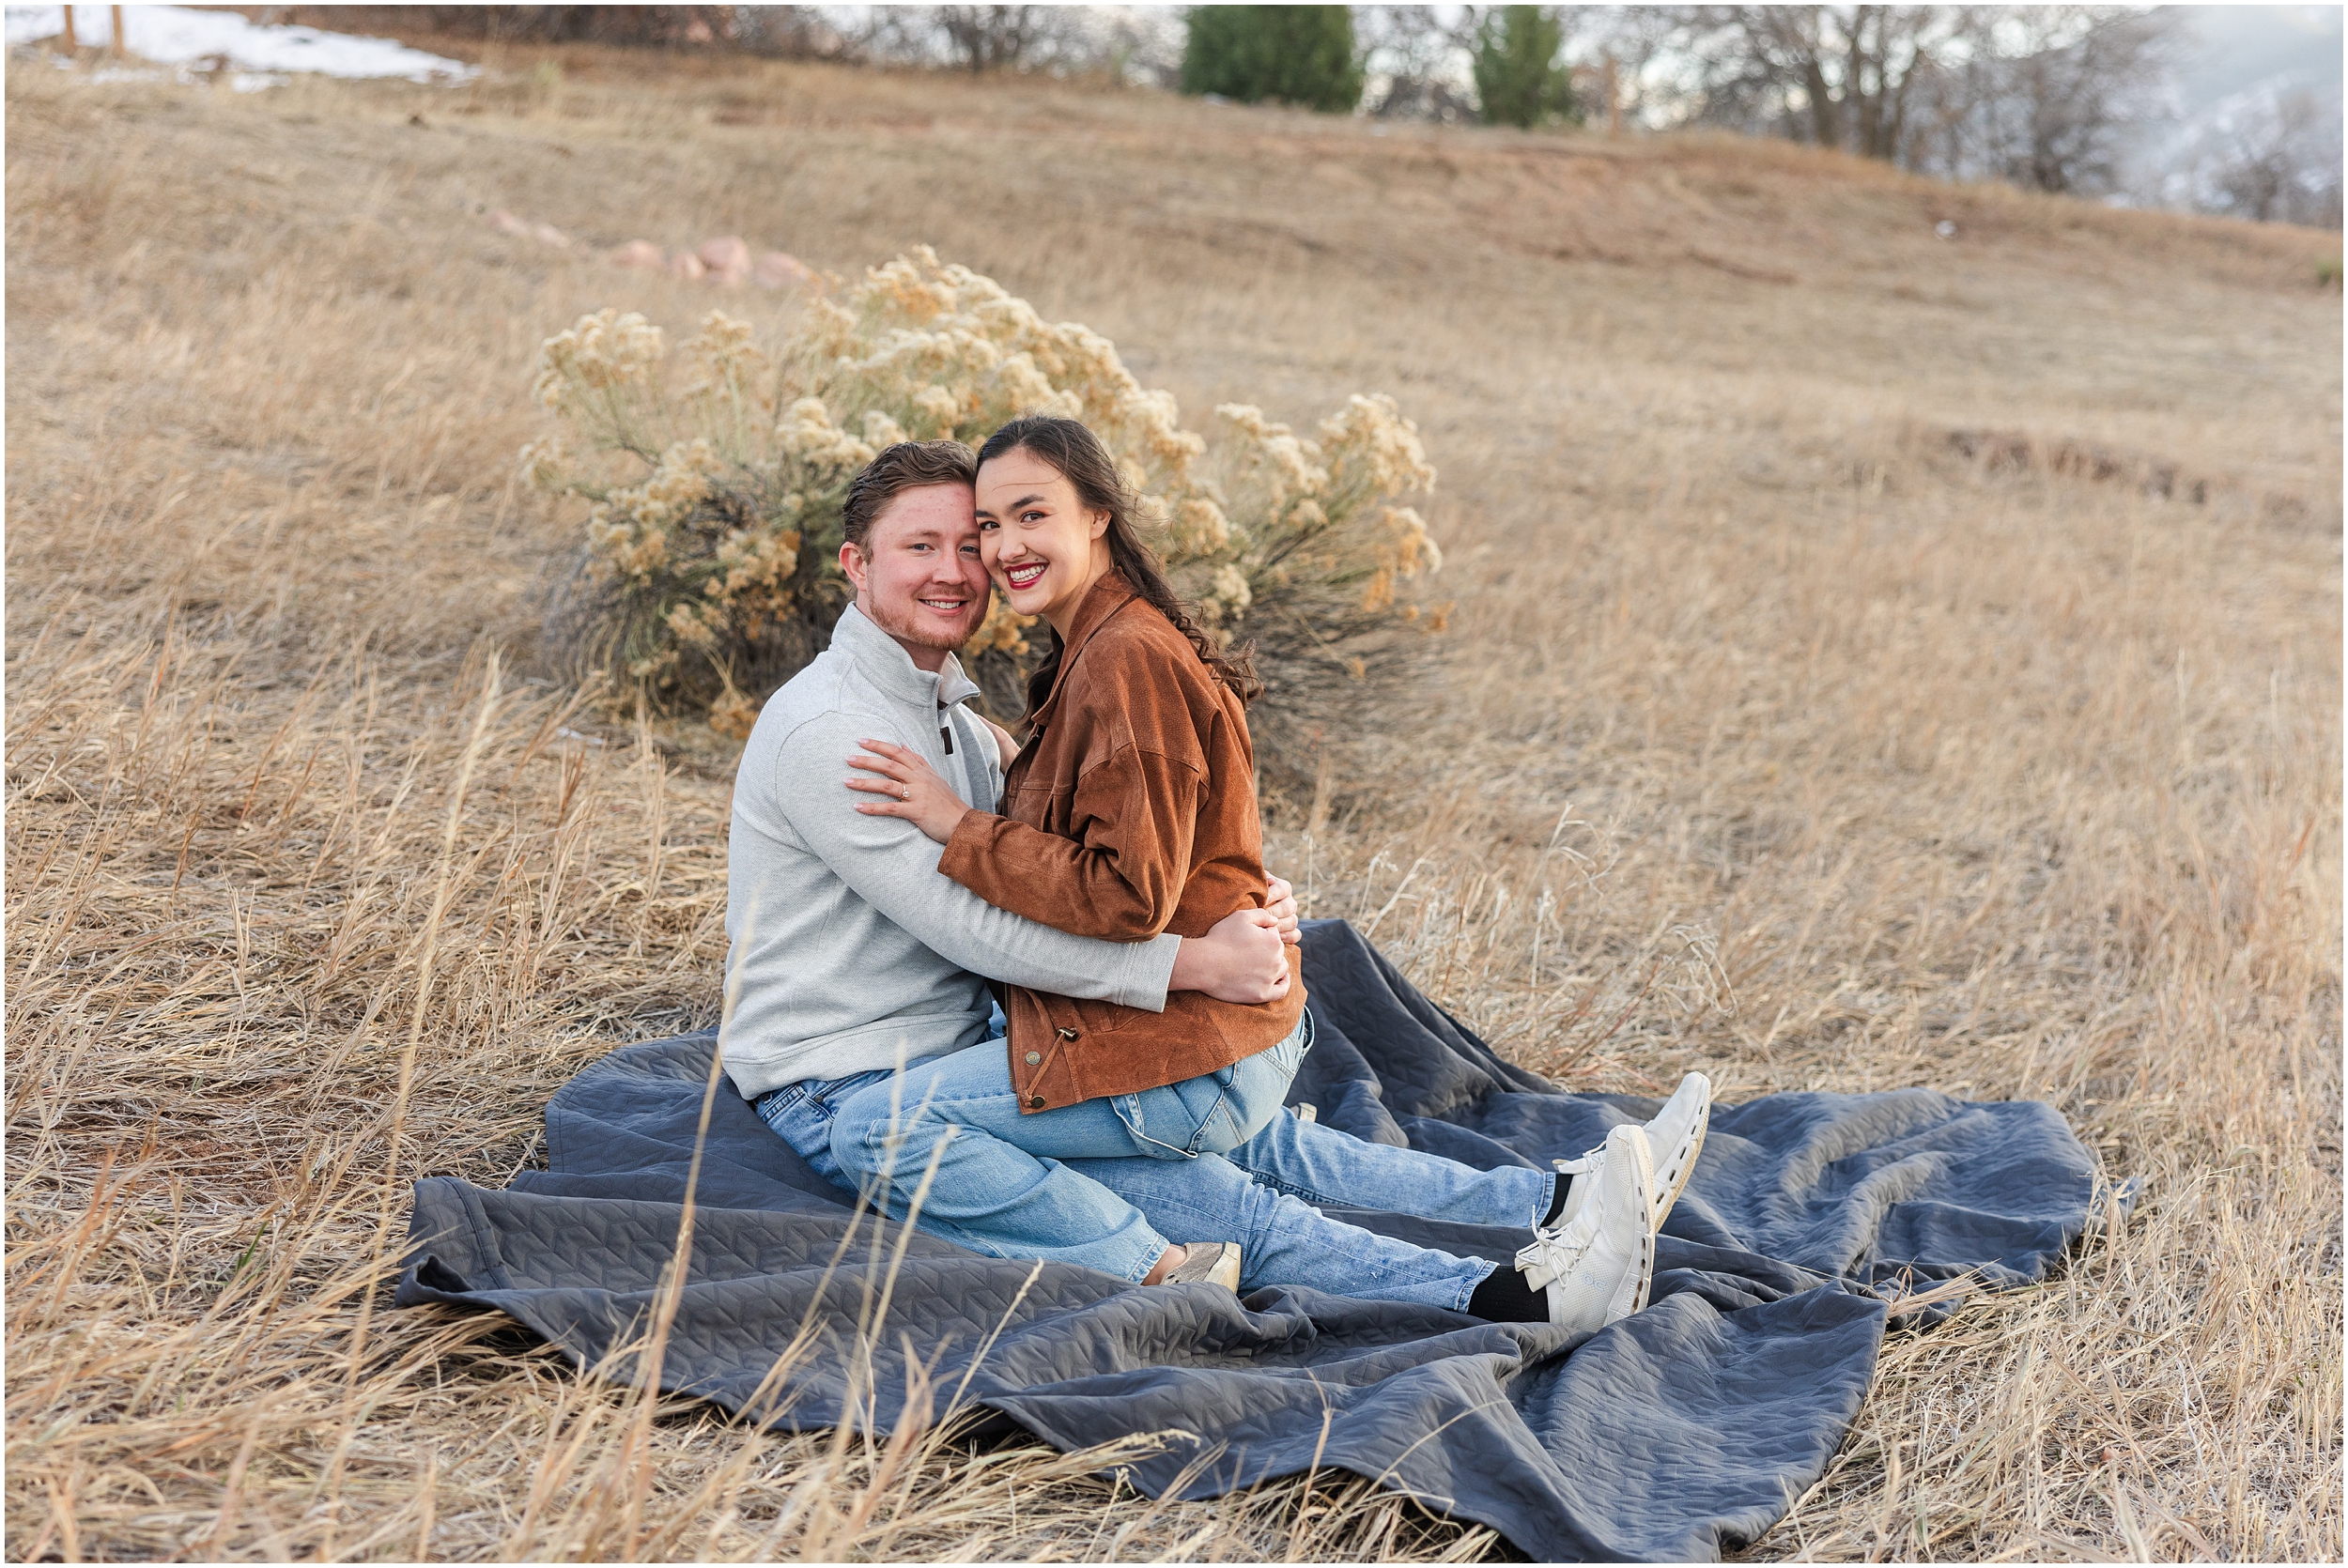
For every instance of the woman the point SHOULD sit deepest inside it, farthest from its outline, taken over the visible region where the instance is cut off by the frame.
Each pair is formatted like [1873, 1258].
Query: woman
[1129, 813]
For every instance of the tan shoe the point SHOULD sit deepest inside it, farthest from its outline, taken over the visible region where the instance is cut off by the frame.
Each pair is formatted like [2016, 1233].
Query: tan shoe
[1209, 1263]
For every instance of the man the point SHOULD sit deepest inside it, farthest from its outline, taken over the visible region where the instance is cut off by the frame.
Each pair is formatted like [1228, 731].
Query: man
[852, 956]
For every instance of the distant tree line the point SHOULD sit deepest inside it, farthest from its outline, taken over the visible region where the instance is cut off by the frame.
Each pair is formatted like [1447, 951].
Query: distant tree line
[2045, 97]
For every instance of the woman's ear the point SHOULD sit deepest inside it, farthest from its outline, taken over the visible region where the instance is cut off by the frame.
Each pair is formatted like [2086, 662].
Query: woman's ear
[1100, 525]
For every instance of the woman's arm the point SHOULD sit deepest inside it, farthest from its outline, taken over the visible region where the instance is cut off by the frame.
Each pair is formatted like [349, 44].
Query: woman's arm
[1135, 816]
[1139, 811]
[1126, 762]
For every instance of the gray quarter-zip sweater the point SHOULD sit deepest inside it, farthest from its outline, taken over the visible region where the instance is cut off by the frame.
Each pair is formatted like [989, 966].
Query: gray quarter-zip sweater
[848, 951]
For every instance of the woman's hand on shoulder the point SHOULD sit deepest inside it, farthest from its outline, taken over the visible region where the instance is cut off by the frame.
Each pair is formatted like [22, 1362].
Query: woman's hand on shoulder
[910, 789]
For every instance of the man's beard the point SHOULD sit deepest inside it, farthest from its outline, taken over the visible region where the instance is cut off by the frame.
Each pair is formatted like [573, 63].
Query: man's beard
[919, 629]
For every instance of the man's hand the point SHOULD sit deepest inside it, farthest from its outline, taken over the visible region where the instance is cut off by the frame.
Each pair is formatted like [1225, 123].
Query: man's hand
[1281, 905]
[1243, 959]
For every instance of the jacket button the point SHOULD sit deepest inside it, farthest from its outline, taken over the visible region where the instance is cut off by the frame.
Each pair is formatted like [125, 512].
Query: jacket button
[1070, 1035]
[1035, 1103]
[1033, 1058]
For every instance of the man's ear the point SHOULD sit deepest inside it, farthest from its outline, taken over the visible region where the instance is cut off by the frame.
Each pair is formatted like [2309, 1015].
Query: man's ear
[852, 562]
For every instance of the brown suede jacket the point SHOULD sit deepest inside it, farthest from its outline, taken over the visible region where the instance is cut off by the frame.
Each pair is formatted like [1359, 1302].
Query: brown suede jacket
[1130, 812]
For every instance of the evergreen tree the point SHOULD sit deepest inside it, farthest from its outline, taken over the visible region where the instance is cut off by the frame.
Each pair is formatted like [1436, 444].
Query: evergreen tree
[1300, 55]
[1518, 77]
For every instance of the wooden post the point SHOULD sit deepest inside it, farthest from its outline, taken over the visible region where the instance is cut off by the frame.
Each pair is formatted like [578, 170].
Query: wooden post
[1614, 98]
[117, 43]
[68, 35]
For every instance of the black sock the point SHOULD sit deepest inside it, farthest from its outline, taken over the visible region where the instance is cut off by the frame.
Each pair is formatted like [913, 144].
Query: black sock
[1505, 1298]
[1557, 1203]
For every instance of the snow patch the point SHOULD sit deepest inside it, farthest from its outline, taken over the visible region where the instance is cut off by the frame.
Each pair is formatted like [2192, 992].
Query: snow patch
[177, 36]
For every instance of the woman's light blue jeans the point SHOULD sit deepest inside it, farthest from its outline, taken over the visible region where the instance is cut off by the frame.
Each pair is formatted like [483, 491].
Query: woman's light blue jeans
[1110, 1183]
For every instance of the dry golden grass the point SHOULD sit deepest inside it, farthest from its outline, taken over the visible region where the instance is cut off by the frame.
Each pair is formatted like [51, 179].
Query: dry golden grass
[1777, 735]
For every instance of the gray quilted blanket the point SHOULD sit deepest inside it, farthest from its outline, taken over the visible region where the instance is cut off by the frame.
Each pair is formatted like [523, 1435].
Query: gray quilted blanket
[1676, 1435]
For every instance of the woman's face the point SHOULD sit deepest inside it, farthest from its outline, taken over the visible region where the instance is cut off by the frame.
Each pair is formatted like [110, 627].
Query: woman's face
[1044, 547]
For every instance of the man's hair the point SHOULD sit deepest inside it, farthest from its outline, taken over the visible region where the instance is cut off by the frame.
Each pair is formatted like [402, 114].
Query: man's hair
[906, 465]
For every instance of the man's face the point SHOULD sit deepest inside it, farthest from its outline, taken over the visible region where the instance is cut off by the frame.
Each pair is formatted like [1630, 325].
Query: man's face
[919, 576]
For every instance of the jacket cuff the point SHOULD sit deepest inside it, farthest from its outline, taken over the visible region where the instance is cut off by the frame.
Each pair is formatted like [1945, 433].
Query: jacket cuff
[964, 859]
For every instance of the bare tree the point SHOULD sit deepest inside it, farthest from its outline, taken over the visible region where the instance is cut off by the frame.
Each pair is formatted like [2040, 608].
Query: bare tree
[639, 27]
[1836, 75]
[792, 33]
[1416, 63]
[2045, 97]
[1643, 43]
[2272, 157]
[1128, 43]
[992, 38]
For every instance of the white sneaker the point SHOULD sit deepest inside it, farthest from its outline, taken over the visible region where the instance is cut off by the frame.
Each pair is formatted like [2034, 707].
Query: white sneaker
[1597, 1265]
[1674, 1138]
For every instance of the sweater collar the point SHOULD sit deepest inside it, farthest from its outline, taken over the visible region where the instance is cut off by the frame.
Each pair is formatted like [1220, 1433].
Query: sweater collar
[1109, 595]
[883, 660]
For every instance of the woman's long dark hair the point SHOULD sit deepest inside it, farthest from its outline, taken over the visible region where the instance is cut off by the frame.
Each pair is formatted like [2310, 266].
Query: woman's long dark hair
[1084, 463]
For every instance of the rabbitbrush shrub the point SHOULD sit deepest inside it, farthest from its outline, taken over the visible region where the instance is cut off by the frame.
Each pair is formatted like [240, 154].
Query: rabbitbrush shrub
[709, 572]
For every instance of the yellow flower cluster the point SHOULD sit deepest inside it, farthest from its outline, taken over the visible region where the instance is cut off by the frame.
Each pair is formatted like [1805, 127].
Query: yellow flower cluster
[602, 352]
[1286, 466]
[753, 578]
[543, 464]
[959, 351]
[1004, 630]
[1400, 549]
[724, 360]
[1370, 441]
[808, 436]
[732, 527]
[1322, 505]
[628, 530]
[732, 713]
[1201, 528]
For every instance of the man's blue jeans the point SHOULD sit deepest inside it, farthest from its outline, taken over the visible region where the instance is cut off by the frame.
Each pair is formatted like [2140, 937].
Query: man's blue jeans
[1110, 1183]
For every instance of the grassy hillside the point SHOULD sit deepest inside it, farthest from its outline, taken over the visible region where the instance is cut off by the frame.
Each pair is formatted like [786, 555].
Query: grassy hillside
[1877, 659]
